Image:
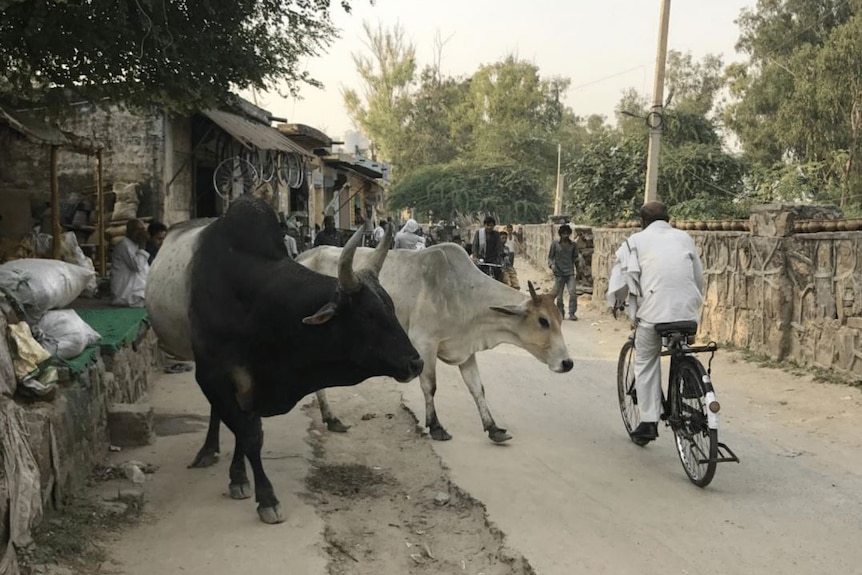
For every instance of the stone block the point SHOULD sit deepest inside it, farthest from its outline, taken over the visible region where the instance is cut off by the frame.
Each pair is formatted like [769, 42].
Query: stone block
[777, 220]
[854, 322]
[130, 424]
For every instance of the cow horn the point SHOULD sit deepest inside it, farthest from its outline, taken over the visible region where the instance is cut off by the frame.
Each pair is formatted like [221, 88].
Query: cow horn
[533, 292]
[346, 276]
[380, 251]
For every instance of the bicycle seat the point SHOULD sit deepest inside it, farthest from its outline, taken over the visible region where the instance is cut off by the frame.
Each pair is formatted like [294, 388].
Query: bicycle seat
[681, 327]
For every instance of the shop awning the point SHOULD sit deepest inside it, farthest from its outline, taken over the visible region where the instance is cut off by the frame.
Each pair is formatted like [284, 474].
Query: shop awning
[254, 134]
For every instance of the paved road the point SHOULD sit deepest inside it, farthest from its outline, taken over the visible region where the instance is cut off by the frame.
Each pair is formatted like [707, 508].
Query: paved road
[575, 496]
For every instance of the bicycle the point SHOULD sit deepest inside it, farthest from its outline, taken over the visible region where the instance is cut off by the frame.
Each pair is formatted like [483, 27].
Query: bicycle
[690, 407]
[493, 270]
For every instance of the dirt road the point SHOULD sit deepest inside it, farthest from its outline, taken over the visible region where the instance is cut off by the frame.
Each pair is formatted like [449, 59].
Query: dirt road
[570, 493]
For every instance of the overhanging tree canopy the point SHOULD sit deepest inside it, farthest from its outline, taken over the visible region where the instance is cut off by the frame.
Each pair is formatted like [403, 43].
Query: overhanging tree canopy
[180, 55]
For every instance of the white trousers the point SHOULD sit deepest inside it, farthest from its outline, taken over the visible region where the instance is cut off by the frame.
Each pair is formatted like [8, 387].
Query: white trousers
[648, 371]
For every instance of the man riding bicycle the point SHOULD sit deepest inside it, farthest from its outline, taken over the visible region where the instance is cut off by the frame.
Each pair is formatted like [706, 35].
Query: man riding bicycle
[659, 275]
[488, 249]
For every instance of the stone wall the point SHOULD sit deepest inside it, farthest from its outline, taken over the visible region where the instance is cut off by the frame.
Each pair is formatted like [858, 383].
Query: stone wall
[75, 421]
[795, 296]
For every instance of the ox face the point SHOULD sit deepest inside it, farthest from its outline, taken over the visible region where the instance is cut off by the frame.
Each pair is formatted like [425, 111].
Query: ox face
[374, 341]
[362, 316]
[540, 330]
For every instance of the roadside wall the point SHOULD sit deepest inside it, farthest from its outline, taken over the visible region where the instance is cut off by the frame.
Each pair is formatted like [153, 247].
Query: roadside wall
[797, 296]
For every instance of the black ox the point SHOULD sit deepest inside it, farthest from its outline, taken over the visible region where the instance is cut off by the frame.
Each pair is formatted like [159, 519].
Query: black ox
[265, 331]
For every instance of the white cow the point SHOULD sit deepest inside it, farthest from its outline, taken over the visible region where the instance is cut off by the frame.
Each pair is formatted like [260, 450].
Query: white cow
[451, 310]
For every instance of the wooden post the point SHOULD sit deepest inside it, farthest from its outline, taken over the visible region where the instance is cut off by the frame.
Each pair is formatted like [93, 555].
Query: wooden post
[55, 204]
[100, 225]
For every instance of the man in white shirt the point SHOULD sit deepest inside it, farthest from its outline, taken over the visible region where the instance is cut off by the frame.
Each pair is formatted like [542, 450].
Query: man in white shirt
[130, 266]
[664, 277]
[379, 232]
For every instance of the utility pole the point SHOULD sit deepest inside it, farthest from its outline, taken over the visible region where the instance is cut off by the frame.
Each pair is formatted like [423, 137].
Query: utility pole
[558, 196]
[655, 119]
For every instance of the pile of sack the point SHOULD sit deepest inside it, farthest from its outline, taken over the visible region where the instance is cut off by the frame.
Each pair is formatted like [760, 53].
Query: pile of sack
[36, 289]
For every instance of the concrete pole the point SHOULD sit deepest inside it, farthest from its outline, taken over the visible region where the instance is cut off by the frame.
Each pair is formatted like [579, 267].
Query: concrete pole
[558, 196]
[655, 118]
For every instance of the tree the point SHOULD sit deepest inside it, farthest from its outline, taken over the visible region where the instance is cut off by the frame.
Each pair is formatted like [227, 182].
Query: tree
[509, 191]
[179, 55]
[798, 99]
[387, 75]
[693, 86]
[697, 177]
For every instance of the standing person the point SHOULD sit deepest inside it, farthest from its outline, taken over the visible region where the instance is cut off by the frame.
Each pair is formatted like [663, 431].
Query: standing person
[379, 232]
[130, 266]
[563, 260]
[328, 236]
[157, 231]
[290, 243]
[488, 247]
[408, 237]
[660, 269]
[510, 276]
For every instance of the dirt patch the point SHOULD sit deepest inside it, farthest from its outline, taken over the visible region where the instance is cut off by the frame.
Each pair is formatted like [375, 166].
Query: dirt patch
[73, 541]
[386, 499]
[348, 480]
[176, 423]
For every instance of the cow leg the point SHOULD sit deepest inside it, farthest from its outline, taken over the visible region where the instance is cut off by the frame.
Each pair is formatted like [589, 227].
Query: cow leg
[428, 381]
[239, 486]
[249, 441]
[208, 454]
[247, 428]
[332, 422]
[470, 373]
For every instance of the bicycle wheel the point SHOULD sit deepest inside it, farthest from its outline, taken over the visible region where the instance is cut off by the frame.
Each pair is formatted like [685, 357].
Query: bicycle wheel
[696, 443]
[626, 392]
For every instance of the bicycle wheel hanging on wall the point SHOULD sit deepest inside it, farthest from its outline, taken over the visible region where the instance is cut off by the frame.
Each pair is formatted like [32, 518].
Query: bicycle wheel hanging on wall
[264, 161]
[290, 170]
[233, 177]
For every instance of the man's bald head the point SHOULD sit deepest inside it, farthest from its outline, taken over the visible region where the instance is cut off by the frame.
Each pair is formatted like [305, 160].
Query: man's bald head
[653, 212]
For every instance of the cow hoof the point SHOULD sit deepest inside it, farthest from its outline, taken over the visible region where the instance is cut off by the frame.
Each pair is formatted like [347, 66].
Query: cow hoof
[205, 458]
[240, 490]
[334, 424]
[440, 434]
[270, 515]
[498, 435]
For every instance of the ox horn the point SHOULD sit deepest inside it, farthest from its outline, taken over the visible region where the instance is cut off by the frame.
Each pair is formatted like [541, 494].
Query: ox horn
[346, 276]
[381, 250]
[533, 292]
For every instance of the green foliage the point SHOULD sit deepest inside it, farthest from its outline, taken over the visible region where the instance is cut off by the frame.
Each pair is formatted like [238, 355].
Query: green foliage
[697, 177]
[442, 191]
[179, 55]
[385, 104]
[798, 99]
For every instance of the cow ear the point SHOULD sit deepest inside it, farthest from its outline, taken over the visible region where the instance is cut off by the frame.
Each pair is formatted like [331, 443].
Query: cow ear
[510, 310]
[322, 316]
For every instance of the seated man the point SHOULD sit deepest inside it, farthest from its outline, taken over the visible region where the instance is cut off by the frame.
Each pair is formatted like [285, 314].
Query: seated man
[130, 266]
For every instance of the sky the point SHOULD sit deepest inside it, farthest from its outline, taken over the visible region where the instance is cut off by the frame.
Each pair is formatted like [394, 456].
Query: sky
[603, 46]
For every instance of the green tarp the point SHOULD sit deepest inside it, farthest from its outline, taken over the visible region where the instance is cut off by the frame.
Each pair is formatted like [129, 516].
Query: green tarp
[118, 327]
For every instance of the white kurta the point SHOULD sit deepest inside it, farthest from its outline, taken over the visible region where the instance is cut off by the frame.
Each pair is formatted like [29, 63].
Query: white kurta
[129, 269]
[660, 274]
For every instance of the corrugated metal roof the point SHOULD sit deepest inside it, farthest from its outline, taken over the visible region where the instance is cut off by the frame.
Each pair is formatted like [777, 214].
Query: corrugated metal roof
[254, 134]
[40, 132]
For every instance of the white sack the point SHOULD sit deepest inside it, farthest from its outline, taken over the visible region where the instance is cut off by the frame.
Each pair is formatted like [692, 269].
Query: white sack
[40, 285]
[64, 334]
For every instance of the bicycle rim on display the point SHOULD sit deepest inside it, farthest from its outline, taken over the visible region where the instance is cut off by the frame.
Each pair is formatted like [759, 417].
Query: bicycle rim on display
[626, 387]
[696, 443]
[233, 177]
